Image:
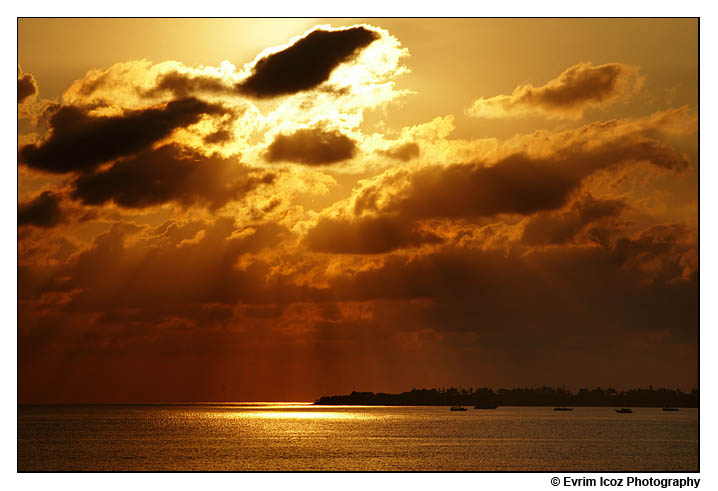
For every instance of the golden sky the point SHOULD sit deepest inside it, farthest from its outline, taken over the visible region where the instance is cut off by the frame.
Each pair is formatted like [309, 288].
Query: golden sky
[279, 209]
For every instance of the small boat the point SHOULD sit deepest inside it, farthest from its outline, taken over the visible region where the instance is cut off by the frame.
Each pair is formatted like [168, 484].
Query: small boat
[458, 408]
[670, 409]
[624, 410]
[486, 406]
[563, 409]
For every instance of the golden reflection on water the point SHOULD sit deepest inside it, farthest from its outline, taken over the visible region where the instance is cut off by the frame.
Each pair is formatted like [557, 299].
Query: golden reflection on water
[295, 412]
[300, 415]
[283, 437]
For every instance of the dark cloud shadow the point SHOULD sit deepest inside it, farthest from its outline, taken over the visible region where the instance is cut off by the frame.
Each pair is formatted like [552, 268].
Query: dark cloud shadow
[367, 235]
[311, 146]
[26, 86]
[41, 211]
[81, 142]
[306, 63]
[170, 173]
[561, 227]
[404, 152]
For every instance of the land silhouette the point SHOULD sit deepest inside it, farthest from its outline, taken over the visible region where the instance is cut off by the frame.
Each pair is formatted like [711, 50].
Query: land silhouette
[543, 396]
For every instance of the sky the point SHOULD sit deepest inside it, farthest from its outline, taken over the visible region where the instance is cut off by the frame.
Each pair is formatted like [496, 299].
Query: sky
[280, 209]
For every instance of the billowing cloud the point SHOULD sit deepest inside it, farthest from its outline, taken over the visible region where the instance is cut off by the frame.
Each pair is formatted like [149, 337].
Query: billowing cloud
[131, 83]
[219, 136]
[41, 211]
[184, 85]
[362, 80]
[352, 75]
[657, 255]
[578, 88]
[174, 263]
[561, 227]
[80, 141]
[306, 63]
[404, 152]
[368, 235]
[627, 298]
[26, 86]
[632, 298]
[535, 176]
[666, 252]
[311, 146]
[170, 173]
[539, 177]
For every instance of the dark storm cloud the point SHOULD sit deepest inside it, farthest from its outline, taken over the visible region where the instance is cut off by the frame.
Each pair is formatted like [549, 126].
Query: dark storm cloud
[538, 309]
[169, 173]
[26, 86]
[80, 142]
[403, 152]
[667, 252]
[41, 211]
[562, 227]
[307, 63]
[311, 146]
[635, 299]
[637, 284]
[368, 235]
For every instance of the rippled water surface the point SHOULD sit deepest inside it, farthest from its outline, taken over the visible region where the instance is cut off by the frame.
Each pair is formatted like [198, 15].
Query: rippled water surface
[291, 437]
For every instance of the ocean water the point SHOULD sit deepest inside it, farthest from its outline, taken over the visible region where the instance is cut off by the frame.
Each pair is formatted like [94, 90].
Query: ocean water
[295, 437]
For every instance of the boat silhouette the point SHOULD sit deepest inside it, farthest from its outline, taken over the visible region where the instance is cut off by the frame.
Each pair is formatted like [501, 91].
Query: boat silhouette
[624, 410]
[458, 408]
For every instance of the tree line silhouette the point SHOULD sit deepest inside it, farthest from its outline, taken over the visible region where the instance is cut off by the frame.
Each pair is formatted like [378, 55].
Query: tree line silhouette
[543, 396]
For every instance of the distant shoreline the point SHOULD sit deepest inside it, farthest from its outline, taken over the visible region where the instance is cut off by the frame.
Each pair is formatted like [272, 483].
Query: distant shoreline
[250, 405]
[544, 396]
[317, 403]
